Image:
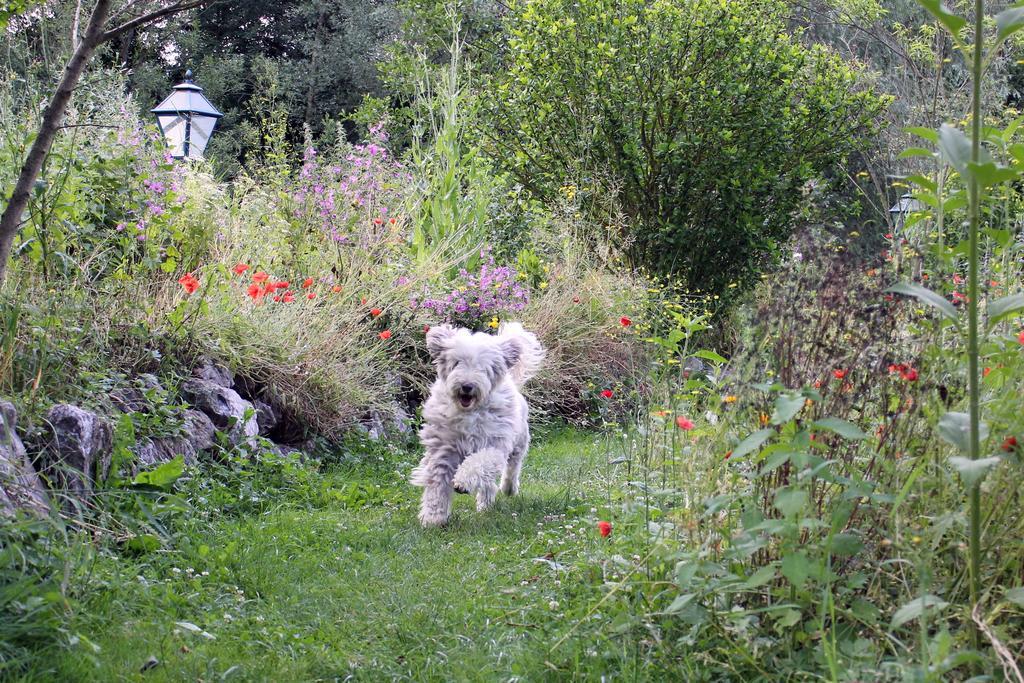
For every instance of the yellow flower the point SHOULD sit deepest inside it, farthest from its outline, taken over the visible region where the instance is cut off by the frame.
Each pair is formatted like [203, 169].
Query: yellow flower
[494, 323]
[543, 285]
[729, 399]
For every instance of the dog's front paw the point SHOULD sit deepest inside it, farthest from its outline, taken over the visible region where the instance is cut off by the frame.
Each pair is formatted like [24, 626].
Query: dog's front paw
[431, 519]
[509, 487]
[485, 497]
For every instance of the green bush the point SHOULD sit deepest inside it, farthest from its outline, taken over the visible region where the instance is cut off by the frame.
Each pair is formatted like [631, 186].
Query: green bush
[705, 120]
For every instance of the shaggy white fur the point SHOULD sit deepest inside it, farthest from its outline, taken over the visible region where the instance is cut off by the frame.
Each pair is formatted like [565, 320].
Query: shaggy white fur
[475, 425]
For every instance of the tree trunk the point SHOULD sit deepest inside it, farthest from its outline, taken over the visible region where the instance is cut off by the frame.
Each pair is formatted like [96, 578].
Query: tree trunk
[10, 221]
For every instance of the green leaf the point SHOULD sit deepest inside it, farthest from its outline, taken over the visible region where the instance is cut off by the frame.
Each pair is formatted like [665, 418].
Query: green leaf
[928, 134]
[786, 408]
[955, 428]
[990, 173]
[973, 471]
[938, 9]
[790, 501]
[926, 296]
[752, 442]
[915, 608]
[955, 147]
[1004, 307]
[794, 568]
[846, 545]
[1016, 596]
[845, 429]
[915, 152]
[143, 543]
[164, 476]
[680, 603]
[1008, 22]
[760, 577]
[711, 356]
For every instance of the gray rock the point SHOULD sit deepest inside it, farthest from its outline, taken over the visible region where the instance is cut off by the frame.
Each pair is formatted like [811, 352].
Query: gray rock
[267, 416]
[157, 451]
[212, 372]
[379, 425]
[199, 430]
[199, 435]
[79, 450]
[129, 400]
[20, 485]
[225, 408]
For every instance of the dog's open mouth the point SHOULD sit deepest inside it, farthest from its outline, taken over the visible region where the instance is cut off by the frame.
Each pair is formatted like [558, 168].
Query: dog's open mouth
[465, 401]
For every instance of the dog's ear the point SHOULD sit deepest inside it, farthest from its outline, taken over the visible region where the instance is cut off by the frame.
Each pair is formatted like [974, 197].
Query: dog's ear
[511, 351]
[438, 339]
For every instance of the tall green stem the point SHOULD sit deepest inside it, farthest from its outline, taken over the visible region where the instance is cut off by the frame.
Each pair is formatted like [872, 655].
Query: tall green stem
[972, 305]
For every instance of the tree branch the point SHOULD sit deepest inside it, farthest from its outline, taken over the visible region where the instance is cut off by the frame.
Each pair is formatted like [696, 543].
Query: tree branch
[144, 19]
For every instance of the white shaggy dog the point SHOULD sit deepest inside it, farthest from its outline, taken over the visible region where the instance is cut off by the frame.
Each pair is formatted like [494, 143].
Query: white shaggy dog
[475, 420]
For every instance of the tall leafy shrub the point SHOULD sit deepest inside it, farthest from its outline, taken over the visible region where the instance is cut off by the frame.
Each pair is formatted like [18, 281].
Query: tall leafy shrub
[707, 116]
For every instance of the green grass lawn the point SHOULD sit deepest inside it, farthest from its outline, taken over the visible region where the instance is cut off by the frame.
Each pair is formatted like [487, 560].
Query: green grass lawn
[362, 592]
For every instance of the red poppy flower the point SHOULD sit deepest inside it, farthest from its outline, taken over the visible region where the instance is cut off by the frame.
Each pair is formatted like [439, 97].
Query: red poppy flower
[277, 298]
[607, 393]
[958, 279]
[363, 301]
[260, 277]
[888, 235]
[817, 384]
[283, 284]
[336, 288]
[392, 221]
[426, 328]
[1009, 444]
[378, 221]
[625, 322]
[240, 268]
[839, 374]
[728, 454]
[385, 335]
[575, 299]
[605, 529]
[288, 297]
[254, 291]
[910, 375]
[959, 297]
[1020, 337]
[684, 424]
[189, 282]
[307, 283]
[311, 295]
[986, 372]
[374, 312]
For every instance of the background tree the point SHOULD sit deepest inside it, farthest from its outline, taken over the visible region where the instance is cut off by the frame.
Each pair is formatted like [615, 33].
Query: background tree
[705, 120]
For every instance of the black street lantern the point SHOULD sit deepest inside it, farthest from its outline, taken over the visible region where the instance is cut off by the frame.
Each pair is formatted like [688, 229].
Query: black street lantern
[187, 119]
[903, 207]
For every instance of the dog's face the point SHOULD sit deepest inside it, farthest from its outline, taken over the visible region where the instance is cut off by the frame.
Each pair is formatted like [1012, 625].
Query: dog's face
[470, 365]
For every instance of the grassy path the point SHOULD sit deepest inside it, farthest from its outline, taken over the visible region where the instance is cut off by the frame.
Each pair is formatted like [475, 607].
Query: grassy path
[360, 592]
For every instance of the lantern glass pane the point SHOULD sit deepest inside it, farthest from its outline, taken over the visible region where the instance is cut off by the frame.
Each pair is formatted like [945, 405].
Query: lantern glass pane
[202, 129]
[174, 132]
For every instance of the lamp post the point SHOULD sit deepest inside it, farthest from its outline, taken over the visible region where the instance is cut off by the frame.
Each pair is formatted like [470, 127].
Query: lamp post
[187, 119]
[903, 207]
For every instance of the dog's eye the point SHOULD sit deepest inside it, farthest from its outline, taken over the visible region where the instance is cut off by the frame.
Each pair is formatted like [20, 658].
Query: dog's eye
[455, 364]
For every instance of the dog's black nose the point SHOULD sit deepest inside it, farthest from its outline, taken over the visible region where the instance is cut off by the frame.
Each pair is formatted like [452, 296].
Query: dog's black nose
[467, 388]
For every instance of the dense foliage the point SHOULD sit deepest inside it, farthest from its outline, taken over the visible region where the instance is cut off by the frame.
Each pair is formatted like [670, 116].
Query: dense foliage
[704, 120]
